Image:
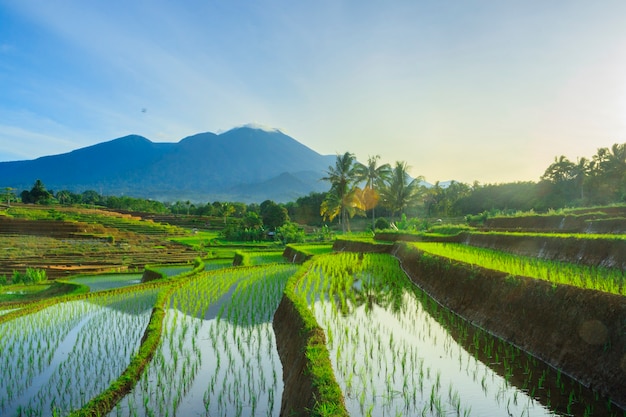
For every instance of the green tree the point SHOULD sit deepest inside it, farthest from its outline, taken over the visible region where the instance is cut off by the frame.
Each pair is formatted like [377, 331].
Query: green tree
[227, 211]
[402, 191]
[614, 171]
[342, 200]
[273, 214]
[92, 197]
[375, 178]
[306, 210]
[8, 195]
[37, 195]
[580, 172]
[560, 176]
[251, 220]
[560, 171]
[64, 197]
[291, 232]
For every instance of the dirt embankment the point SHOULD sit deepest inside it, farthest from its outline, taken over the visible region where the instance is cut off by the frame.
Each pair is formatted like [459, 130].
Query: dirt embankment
[309, 382]
[582, 332]
[291, 344]
[293, 255]
[355, 246]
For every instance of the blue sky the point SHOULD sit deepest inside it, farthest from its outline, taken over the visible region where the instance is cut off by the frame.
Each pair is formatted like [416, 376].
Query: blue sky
[469, 90]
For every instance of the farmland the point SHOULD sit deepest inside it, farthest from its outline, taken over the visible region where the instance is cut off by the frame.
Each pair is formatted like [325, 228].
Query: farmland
[204, 337]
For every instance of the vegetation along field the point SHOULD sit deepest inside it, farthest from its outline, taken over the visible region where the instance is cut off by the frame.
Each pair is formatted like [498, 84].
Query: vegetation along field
[175, 313]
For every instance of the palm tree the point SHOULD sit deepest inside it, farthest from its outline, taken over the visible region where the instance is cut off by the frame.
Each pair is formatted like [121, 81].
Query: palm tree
[580, 171]
[559, 171]
[375, 178]
[342, 199]
[616, 164]
[402, 191]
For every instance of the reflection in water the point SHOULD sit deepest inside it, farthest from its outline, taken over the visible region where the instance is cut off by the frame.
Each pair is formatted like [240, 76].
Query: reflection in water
[49, 358]
[217, 355]
[397, 352]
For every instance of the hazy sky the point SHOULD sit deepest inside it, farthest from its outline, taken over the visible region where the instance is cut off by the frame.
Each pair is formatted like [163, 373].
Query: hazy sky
[468, 90]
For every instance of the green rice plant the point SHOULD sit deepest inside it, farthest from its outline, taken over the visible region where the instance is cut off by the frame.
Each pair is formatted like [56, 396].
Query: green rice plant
[218, 325]
[610, 280]
[377, 316]
[41, 360]
[313, 249]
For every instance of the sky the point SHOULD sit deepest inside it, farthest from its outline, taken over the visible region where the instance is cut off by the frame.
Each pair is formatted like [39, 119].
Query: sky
[465, 90]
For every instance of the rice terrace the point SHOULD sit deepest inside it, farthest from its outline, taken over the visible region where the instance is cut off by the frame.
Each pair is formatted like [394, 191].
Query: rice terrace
[106, 313]
[325, 208]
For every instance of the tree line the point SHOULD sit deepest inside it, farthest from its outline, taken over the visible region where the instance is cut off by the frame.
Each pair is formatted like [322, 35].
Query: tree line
[360, 189]
[388, 191]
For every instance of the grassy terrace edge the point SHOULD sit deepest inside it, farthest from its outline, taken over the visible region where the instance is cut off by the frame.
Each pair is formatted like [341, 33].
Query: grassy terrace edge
[301, 343]
[604, 279]
[593, 250]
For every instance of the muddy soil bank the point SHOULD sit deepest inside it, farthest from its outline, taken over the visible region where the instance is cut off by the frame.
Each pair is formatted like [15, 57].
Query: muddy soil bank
[293, 255]
[305, 389]
[291, 345]
[581, 332]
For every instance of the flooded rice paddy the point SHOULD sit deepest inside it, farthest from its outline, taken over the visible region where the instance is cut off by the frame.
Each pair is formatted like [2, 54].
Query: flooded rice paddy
[396, 352]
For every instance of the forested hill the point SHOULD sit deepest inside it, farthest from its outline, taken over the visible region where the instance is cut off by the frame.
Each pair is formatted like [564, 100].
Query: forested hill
[244, 164]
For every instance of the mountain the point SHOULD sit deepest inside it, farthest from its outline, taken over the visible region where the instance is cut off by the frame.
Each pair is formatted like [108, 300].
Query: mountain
[243, 164]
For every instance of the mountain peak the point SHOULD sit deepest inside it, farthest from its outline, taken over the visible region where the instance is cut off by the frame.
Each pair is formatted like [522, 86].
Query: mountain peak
[256, 126]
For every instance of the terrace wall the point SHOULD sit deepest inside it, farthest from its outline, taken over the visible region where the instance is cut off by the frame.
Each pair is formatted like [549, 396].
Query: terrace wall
[295, 256]
[581, 332]
[51, 228]
[291, 344]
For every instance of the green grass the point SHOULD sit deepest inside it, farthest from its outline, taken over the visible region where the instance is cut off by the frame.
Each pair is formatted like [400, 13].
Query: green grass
[581, 236]
[562, 212]
[611, 280]
[313, 249]
[20, 293]
[266, 257]
[198, 241]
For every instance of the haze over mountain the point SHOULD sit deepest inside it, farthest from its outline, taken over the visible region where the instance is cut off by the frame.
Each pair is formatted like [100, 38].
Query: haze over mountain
[244, 164]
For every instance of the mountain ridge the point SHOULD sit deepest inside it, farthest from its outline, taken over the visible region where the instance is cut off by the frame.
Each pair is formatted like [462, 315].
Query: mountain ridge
[243, 164]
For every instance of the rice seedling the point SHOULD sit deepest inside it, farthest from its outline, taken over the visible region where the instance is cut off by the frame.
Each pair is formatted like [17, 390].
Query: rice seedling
[382, 326]
[218, 353]
[610, 280]
[53, 351]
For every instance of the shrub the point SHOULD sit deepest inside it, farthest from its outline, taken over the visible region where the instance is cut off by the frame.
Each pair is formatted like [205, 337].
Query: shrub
[324, 234]
[477, 219]
[381, 224]
[31, 276]
[17, 277]
[291, 233]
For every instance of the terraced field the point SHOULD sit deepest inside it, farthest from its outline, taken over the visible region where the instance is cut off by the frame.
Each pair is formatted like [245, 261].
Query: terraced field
[68, 241]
